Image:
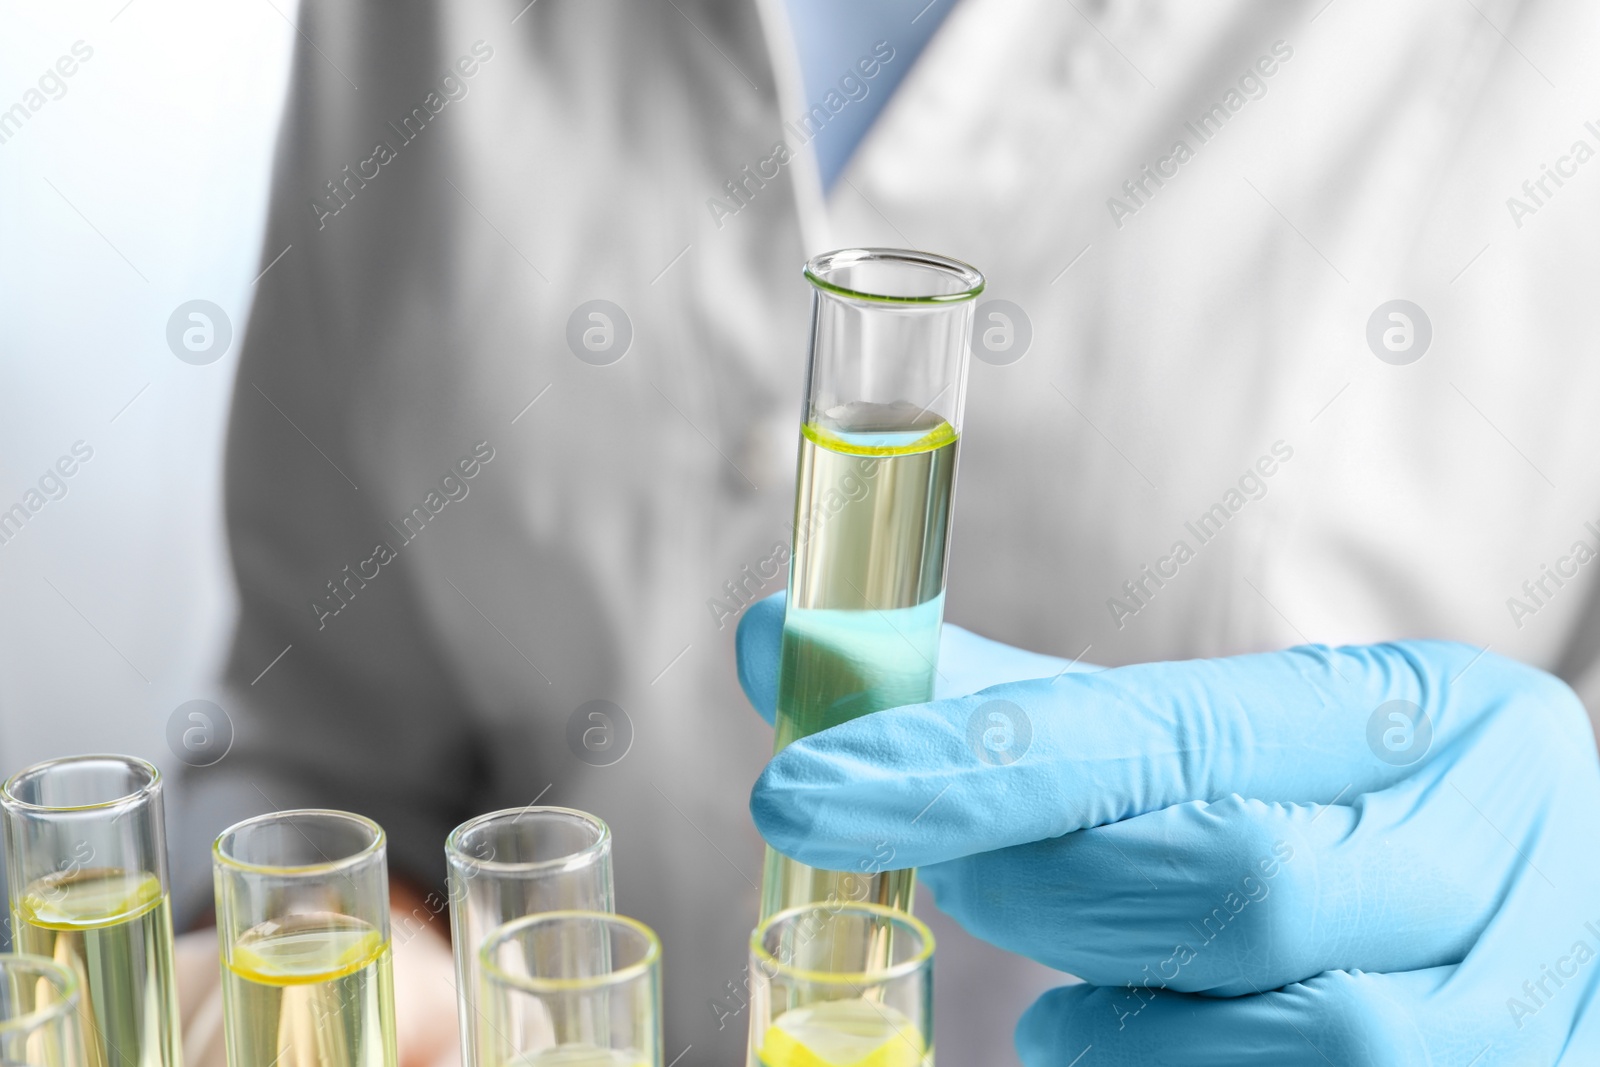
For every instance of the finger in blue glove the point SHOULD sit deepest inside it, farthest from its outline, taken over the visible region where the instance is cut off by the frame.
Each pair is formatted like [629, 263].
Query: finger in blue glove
[1262, 830]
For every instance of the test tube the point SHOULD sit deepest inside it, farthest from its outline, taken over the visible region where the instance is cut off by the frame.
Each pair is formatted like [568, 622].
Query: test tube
[851, 983]
[885, 387]
[86, 863]
[517, 862]
[570, 989]
[303, 928]
[38, 1013]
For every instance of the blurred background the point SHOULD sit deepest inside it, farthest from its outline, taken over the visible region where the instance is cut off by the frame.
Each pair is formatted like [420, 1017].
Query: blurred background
[144, 182]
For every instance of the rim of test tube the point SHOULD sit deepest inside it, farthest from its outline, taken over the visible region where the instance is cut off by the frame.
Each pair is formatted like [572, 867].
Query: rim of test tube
[534, 984]
[581, 857]
[855, 978]
[151, 772]
[966, 275]
[64, 981]
[354, 859]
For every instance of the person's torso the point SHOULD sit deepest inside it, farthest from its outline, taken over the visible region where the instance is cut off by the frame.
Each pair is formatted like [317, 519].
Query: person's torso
[1196, 372]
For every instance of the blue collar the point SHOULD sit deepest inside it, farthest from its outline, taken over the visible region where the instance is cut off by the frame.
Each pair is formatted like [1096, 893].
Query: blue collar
[840, 42]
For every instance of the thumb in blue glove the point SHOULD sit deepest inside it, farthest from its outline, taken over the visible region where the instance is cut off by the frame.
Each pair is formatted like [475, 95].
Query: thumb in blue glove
[1368, 854]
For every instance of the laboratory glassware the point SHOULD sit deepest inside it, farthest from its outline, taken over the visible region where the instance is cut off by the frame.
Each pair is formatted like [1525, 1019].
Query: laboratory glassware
[86, 861]
[517, 862]
[303, 927]
[38, 1013]
[847, 983]
[570, 989]
[885, 388]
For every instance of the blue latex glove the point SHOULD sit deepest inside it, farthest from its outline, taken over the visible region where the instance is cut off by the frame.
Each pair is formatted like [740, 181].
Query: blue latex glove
[1254, 860]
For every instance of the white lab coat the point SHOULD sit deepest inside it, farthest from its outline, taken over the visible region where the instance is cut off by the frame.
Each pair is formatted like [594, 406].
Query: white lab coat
[1220, 325]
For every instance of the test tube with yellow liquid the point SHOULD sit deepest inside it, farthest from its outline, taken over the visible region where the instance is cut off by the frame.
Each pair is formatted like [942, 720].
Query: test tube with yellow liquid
[846, 985]
[86, 863]
[885, 386]
[303, 926]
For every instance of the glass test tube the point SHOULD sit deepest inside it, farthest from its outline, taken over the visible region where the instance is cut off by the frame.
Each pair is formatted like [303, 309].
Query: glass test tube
[86, 857]
[885, 388]
[517, 862]
[303, 928]
[841, 984]
[570, 989]
[38, 1014]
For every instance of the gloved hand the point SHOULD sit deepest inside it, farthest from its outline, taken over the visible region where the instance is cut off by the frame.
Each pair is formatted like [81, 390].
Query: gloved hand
[1380, 854]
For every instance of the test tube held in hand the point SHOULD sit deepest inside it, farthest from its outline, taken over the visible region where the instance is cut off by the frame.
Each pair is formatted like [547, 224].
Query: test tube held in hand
[885, 388]
[86, 862]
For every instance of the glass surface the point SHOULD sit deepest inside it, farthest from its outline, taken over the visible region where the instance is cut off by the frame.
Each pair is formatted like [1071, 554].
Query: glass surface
[879, 435]
[86, 860]
[845, 986]
[570, 988]
[303, 927]
[39, 1001]
[513, 863]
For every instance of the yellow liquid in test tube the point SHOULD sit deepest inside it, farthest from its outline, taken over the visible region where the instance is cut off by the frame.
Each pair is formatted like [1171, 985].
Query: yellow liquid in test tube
[311, 990]
[113, 929]
[844, 1033]
[866, 600]
[880, 431]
